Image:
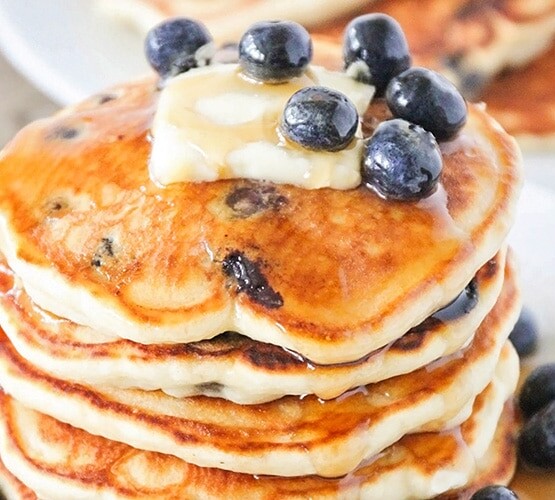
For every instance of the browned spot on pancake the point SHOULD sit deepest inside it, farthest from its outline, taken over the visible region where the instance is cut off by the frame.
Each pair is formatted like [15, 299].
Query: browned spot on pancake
[6, 281]
[254, 198]
[250, 280]
[56, 206]
[489, 269]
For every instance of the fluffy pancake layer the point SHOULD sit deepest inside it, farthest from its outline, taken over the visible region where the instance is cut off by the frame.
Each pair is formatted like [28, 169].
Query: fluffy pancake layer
[232, 366]
[80, 465]
[86, 245]
[288, 437]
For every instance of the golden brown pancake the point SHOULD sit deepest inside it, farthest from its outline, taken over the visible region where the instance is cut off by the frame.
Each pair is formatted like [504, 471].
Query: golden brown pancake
[230, 365]
[523, 100]
[519, 93]
[83, 228]
[475, 39]
[289, 437]
[80, 463]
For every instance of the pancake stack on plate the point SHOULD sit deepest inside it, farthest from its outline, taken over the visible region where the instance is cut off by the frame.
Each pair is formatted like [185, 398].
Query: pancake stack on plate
[243, 339]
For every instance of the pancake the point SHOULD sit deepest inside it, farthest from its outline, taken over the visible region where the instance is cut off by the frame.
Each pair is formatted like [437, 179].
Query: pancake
[80, 465]
[232, 366]
[500, 52]
[12, 488]
[226, 19]
[82, 227]
[523, 100]
[472, 40]
[288, 437]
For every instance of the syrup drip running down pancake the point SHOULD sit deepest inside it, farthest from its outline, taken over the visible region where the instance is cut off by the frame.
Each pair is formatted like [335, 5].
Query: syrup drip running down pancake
[80, 229]
[288, 437]
[232, 366]
[500, 52]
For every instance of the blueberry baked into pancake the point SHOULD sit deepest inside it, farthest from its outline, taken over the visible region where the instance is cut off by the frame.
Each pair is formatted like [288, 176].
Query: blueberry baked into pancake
[261, 279]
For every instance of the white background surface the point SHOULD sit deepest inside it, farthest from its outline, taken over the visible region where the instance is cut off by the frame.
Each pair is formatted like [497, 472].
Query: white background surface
[69, 51]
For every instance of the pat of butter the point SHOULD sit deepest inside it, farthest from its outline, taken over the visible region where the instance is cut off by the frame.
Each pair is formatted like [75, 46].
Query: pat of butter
[213, 123]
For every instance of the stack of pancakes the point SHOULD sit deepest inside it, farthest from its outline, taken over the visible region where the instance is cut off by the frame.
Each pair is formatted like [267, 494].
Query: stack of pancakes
[241, 339]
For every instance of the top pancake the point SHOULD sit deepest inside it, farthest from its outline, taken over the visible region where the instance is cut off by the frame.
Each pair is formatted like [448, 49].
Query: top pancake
[339, 273]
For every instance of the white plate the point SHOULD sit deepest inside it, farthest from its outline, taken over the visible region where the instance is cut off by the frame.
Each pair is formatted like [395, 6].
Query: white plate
[533, 239]
[66, 48]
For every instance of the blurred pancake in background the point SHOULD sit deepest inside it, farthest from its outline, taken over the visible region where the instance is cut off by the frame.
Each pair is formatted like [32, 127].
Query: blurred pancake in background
[501, 52]
[227, 19]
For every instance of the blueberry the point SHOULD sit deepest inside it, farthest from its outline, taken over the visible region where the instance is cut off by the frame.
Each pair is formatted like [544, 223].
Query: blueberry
[401, 161]
[525, 334]
[494, 493]
[275, 51]
[428, 99]
[177, 45]
[538, 389]
[377, 41]
[319, 119]
[536, 443]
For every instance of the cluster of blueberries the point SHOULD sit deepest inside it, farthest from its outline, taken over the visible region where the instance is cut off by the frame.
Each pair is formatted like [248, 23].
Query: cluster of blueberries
[402, 159]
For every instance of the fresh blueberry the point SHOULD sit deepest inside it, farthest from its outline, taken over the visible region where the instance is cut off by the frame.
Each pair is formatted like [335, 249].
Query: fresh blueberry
[494, 493]
[525, 334]
[319, 119]
[538, 389]
[275, 51]
[375, 50]
[402, 161]
[536, 443]
[177, 45]
[426, 98]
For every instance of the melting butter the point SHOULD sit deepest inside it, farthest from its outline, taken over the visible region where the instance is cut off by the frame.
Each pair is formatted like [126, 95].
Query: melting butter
[214, 123]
